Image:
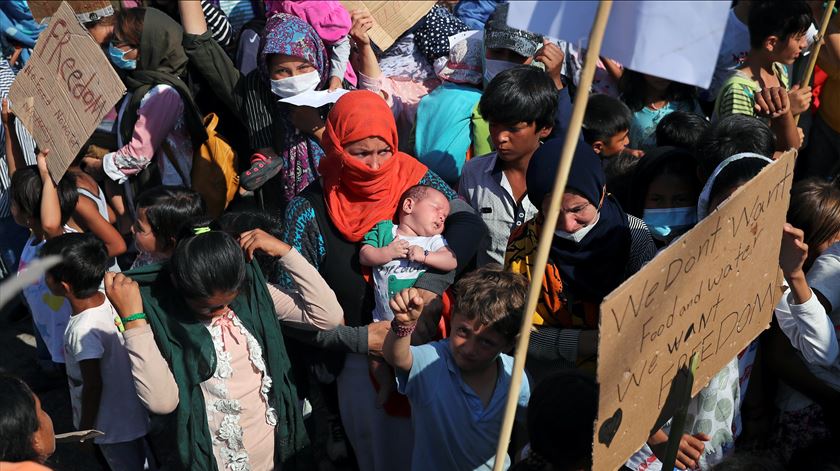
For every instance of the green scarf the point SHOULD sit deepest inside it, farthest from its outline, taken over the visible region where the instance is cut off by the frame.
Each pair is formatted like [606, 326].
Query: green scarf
[161, 60]
[187, 347]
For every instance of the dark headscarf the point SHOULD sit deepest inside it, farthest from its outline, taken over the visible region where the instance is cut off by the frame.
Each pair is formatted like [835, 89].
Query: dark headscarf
[595, 266]
[161, 60]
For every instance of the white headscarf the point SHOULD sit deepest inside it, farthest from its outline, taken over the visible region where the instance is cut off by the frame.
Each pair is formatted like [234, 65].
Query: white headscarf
[703, 202]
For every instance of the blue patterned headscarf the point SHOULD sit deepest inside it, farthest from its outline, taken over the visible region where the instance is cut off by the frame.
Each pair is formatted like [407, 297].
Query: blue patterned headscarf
[289, 35]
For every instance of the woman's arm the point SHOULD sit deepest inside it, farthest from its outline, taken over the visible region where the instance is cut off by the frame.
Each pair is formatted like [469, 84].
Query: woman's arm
[155, 384]
[311, 302]
[14, 154]
[314, 304]
[208, 57]
[50, 205]
[156, 118]
[153, 380]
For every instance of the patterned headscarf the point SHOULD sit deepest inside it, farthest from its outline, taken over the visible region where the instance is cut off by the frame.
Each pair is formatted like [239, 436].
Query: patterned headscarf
[289, 35]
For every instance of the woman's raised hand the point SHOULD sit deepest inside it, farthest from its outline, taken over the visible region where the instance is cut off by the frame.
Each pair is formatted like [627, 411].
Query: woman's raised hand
[124, 294]
[362, 23]
[258, 239]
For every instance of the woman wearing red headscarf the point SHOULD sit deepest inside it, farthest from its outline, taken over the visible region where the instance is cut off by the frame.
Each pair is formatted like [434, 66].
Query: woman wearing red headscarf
[362, 178]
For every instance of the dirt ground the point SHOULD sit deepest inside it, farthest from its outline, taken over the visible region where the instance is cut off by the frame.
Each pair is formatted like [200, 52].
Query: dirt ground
[17, 357]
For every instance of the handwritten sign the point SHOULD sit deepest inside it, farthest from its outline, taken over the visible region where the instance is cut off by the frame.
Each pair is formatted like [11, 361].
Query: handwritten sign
[711, 292]
[391, 19]
[64, 90]
[86, 10]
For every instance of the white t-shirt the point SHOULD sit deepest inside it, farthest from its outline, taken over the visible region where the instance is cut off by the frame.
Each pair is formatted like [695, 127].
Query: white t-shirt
[399, 274]
[49, 312]
[93, 334]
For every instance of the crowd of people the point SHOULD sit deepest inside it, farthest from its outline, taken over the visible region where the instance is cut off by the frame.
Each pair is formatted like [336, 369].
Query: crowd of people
[350, 296]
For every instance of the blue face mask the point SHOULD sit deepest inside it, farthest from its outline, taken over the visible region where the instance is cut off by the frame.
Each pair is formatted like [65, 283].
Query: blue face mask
[666, 224]
[117, 56]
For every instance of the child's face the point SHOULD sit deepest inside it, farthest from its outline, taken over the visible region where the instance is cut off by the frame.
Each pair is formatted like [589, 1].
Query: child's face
[143, 236]
[515, 141]
[475, 347]
[670, 191]
[214, 306]
[614, 146]
[426, 216]
[43, 440]
[788, 51]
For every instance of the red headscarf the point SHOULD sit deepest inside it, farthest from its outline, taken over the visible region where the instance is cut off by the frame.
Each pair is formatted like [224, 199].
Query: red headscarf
[358, 197]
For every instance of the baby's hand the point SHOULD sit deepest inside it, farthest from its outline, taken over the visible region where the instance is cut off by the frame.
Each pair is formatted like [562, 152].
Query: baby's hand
[416, 254]
[398, 248]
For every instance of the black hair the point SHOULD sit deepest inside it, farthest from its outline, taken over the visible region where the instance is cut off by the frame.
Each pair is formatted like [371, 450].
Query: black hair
[748, 462]
[168, 208]
[619, 173]
[83, 265]
[416, 192]
[735, 174]
[605, 117]
[207, 261]
[681, 129]
[26, 187]
[18, 421]
[660, 161]
[522, 94]
[632, 87]
[732, 135]
[235, 223]
[782, 19]
[560, 431]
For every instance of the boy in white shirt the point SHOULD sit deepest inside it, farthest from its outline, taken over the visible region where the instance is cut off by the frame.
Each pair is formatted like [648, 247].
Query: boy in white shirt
[102, 389]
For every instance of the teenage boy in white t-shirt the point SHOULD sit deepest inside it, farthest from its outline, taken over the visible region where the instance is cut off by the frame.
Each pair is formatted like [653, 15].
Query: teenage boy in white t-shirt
[102, 389]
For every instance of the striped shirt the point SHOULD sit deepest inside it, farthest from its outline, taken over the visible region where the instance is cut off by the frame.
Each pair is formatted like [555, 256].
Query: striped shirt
[737, 94]
[217, 23]
[27, 144]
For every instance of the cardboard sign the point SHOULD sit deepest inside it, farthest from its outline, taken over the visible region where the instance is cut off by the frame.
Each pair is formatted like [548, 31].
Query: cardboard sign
[391, 19]
[712, 292]
[64, 90]
[676, 40]
[86, 10]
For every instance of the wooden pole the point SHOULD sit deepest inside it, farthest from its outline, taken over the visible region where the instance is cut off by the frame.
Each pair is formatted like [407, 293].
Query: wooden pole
[546, 234]
[678, 423]
[812, 60]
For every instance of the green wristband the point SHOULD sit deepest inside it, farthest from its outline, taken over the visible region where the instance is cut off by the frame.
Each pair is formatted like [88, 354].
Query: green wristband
[134, 317]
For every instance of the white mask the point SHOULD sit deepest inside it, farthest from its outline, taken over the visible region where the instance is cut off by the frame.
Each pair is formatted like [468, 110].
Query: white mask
[295, 85]
[493, 67]
[579, 234]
